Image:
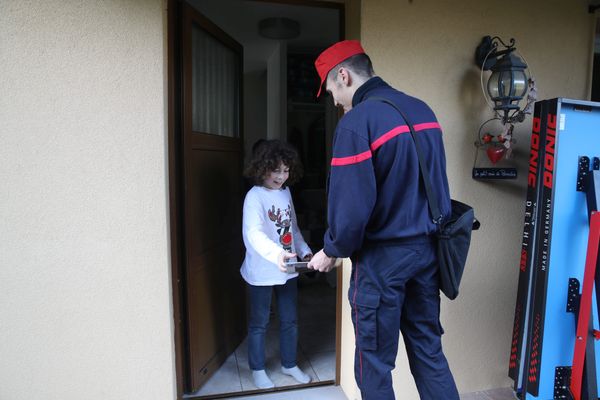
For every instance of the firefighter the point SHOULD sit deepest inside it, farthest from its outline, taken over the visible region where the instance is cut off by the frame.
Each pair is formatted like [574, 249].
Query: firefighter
[378, 216]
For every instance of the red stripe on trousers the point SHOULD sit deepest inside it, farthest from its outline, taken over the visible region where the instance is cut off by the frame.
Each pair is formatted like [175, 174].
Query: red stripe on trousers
[356, 318]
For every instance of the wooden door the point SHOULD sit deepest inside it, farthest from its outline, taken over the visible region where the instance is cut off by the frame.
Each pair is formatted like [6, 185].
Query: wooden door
[213, 190]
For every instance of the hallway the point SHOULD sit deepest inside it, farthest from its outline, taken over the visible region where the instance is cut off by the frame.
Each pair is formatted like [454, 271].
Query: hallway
[316, 343]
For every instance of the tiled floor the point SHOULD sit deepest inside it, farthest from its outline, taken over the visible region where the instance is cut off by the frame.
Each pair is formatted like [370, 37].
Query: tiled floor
[335, 393]
[318, 393]
[316, 354]
[494, 394]
[316, 344]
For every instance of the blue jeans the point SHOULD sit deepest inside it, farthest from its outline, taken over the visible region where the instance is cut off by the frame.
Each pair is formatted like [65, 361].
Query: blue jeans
[260, 307]
[395, 287]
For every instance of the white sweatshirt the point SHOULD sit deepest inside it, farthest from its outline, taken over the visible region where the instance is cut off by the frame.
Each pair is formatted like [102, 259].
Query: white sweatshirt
[269, 226]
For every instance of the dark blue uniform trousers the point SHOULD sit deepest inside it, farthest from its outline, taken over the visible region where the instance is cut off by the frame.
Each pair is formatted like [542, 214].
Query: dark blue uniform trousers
[394, 287]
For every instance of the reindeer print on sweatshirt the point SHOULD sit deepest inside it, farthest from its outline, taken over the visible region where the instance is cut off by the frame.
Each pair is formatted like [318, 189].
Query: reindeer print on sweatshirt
[283, 222]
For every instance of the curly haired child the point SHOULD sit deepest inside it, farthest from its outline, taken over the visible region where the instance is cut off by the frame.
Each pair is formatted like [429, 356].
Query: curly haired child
[272, 237]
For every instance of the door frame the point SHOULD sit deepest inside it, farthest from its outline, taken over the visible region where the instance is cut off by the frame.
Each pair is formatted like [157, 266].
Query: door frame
[175, 154]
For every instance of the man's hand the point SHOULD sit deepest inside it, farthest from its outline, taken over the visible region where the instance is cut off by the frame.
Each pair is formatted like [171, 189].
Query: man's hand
[282, 259]
[321, 262]
[307, 257]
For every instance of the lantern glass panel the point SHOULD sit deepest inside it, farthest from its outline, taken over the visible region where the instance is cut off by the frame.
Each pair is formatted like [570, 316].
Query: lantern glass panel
[505, 83]
[492, 85]
[520, 83]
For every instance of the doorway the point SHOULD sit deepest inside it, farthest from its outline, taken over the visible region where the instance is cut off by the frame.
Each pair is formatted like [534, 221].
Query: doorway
[270, 89]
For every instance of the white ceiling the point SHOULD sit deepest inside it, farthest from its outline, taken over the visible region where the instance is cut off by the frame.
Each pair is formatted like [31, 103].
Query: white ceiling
[319, 27]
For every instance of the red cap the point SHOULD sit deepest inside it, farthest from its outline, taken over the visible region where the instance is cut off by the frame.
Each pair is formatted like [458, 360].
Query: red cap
[334, 55]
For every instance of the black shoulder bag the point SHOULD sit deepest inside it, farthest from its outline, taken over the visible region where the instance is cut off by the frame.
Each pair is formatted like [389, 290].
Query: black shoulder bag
[454, 233]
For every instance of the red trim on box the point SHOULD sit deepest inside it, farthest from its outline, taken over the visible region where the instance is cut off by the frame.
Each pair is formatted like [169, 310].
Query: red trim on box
[585, 306]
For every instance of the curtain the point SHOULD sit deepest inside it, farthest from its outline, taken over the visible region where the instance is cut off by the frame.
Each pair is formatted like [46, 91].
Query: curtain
[215, 86]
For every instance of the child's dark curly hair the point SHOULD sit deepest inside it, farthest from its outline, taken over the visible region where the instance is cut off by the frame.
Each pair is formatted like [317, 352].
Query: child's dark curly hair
[267, 156]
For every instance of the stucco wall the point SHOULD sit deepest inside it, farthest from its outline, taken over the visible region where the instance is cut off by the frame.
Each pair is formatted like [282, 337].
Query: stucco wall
[426, 49]
[85, 304]
[84, 271]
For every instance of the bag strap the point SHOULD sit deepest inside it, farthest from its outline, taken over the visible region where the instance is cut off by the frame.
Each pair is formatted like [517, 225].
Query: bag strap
[434, 208]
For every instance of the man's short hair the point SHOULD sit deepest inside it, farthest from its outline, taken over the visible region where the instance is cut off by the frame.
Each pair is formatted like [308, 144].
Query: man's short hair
[360, 64]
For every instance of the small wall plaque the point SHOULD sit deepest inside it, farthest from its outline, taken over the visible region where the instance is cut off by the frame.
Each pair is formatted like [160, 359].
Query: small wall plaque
[494, 173]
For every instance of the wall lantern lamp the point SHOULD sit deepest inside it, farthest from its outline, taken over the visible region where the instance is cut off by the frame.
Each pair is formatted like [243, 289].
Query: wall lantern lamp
[506, 87]
[508, 83]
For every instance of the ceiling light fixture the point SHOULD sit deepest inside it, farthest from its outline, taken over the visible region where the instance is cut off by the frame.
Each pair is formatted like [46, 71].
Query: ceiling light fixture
[279, 28]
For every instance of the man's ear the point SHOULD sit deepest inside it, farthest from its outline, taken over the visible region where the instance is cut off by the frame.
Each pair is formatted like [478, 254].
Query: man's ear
[345, 76]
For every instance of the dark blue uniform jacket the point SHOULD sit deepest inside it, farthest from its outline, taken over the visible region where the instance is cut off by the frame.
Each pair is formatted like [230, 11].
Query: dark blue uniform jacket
[375, 191]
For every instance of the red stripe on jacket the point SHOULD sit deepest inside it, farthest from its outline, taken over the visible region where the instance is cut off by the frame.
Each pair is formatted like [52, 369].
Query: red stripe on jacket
[389, 135]
[339, 161]
[351, 159]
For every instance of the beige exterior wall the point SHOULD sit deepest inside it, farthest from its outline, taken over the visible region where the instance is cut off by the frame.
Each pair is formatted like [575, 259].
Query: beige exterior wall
[85, 298]
[426, 49]
[85, 302]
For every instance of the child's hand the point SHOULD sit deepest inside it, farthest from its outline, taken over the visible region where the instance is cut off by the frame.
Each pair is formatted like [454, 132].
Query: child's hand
[307, 257]
[283, 257]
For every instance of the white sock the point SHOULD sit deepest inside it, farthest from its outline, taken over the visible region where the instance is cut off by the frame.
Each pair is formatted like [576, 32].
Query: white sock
[261, 379]
[296, 373]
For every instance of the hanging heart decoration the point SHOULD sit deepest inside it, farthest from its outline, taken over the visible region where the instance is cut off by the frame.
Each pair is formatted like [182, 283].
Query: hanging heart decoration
[495, 153]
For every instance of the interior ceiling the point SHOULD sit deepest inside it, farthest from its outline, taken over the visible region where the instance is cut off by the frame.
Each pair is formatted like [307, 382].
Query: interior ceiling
[319, 27]
[239, 18]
